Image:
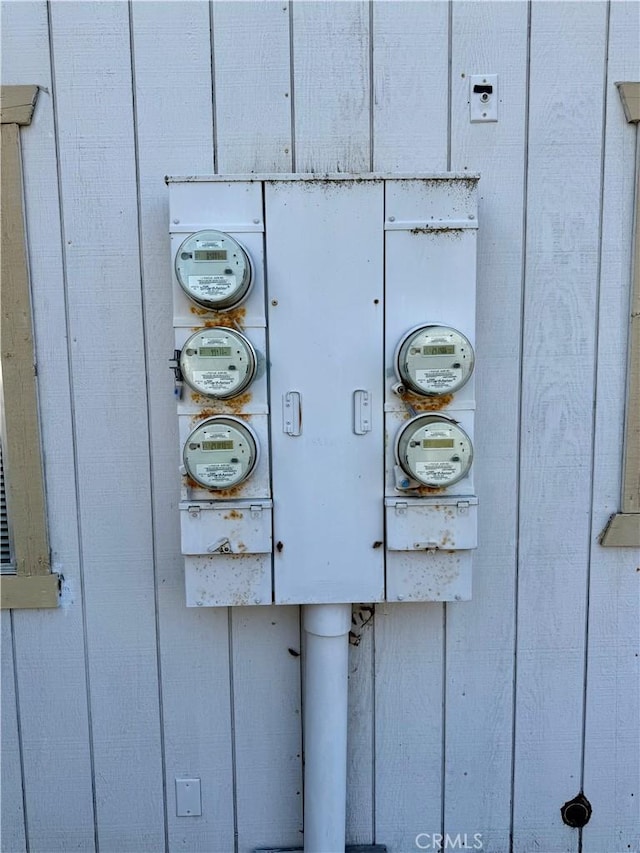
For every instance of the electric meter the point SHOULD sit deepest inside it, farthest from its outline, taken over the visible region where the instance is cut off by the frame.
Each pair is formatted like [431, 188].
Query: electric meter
[434, 360]
[213, 269]
[218, 362]
[220, 452]
[434, 450]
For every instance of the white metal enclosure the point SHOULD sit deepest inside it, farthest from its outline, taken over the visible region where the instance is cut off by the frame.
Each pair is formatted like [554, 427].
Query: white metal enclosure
[483, 716]
[348, 266]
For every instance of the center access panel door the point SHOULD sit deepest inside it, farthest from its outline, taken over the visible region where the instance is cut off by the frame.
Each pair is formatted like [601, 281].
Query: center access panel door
[324, 256]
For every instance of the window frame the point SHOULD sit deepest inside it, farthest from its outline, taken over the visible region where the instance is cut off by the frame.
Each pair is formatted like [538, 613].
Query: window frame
[33, 585]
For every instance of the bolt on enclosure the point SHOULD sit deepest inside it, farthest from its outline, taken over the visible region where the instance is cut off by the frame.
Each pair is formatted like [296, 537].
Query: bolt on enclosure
[324, 364]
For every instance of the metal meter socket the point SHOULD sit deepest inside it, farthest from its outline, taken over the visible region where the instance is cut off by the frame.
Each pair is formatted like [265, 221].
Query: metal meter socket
[434, 360]
[213, 270]
[220, 452]
[218, 362]
[434, 450]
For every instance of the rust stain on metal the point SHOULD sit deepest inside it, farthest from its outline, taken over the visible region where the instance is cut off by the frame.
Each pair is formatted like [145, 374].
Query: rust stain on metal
[429, 490]
[426, 404]
[233, 317]
[229, 493]
[447, 539]
[234, 513]
[232, 406]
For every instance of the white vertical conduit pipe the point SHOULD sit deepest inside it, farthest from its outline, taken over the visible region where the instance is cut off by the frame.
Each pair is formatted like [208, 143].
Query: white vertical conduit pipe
[325, 726]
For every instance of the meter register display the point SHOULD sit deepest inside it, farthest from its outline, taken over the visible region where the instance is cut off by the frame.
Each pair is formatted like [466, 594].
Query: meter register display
[434, 360]
[434, 451]
[213, 270]
[220, 452]
[218, 362]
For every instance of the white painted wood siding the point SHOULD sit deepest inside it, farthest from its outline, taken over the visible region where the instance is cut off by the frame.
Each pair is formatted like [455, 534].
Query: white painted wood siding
[477, 717]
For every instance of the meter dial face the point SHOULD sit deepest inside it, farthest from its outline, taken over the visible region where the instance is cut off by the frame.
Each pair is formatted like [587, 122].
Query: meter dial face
[434, 360]
[218, 362]
[220, 452]
[213, 270]
[434, 450]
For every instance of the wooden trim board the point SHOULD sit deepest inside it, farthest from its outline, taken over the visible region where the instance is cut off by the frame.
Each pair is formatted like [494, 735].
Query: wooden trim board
[32, 592]
[17, 104]
[630, 97]
[623, 529]
[33, 585]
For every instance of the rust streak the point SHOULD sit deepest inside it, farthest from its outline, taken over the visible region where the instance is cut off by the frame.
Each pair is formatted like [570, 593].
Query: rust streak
[427, 404]
[232, 406]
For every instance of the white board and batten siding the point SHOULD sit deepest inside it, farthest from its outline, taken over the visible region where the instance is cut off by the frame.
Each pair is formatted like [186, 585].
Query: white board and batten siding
[483, 716]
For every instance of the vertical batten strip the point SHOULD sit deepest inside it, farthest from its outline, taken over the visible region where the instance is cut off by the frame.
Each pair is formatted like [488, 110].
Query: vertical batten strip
[518, 516]
[214, 109]
[253, 82]
[154, 562]
[331, 67]
[12, 804]
[612, 736]
[96, 149]
[410, 71]
[595, 376]
[253, 86]
[557, 387]
[410, 59]
[489, 38]
[195, 673]
[50, 648]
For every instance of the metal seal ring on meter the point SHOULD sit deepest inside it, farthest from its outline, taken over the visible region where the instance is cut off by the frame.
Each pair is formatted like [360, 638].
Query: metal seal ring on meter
[220, 452]
[213, 270]
[434, 450]
[434, 360]
[218, 362]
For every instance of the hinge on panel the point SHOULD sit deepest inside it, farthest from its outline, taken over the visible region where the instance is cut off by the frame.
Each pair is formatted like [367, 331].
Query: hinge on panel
[463, 507]
[194, 511]
[401, 507]
[255, 510]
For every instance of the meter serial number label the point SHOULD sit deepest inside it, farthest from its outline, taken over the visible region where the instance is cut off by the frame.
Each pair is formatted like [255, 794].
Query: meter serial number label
[212, 285]
[217, 473]
[209, 244]
[217, 380]
[438, 472]
[439, 378]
